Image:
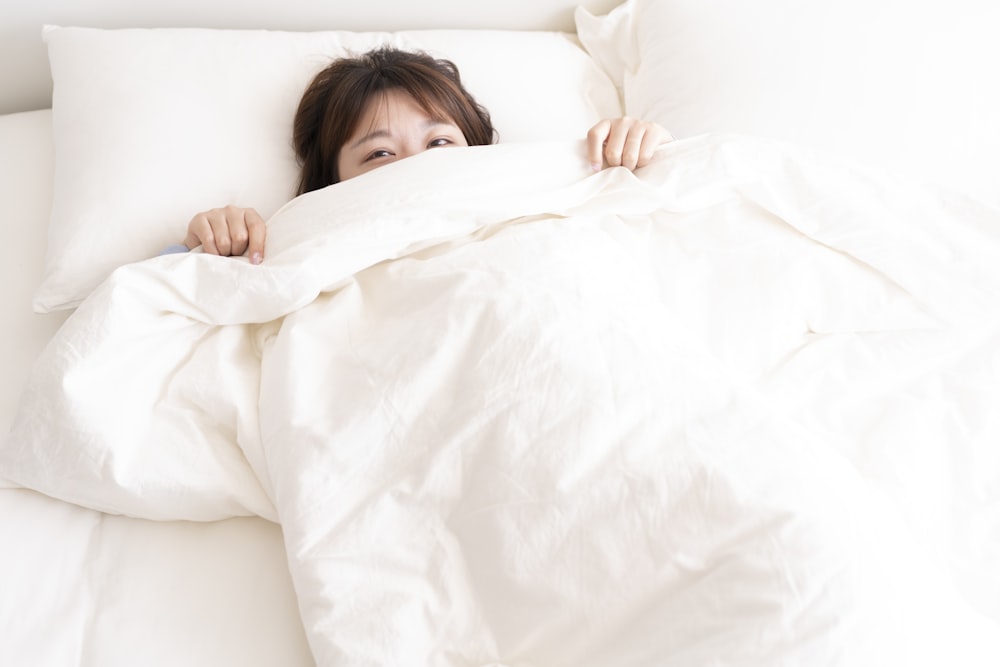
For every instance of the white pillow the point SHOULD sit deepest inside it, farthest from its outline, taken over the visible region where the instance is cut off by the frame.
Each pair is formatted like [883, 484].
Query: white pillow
[905, 85]
[152, 126]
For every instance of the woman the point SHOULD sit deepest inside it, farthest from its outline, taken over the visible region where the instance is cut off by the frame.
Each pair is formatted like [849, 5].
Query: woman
[361, 113]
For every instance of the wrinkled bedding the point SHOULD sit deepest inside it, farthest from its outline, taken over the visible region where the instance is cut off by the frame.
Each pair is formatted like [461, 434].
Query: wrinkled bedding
[734, 409]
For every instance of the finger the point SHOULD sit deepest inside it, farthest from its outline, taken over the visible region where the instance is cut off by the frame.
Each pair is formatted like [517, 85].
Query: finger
[220, 232]
[614, 146]
[595, 143]
[257, 233]
[236, 224]
[651, 140]
[200, 234]
[655, 137]
[633, 146]
[191, 240]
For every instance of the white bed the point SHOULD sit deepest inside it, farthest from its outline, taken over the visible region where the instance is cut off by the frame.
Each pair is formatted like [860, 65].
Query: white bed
[738, 409]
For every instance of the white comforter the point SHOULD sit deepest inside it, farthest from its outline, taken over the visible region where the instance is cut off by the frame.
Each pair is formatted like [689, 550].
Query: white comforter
[738, 409]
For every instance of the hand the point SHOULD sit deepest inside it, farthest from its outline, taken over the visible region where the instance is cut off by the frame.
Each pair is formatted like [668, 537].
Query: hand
[228, 231]
[624, 142]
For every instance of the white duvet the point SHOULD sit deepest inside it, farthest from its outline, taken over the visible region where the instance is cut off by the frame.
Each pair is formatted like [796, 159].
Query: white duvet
[737, 409]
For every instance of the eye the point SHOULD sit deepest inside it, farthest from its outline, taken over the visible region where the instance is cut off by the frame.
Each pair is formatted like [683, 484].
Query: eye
[378, 155]
[440, 141]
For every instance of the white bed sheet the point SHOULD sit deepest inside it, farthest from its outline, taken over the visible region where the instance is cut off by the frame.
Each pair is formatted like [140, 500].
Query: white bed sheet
[88, 589]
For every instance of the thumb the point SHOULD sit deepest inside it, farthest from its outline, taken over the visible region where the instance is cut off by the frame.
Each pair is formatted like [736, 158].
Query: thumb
[191, 241]
[596, 137]
[257, 233]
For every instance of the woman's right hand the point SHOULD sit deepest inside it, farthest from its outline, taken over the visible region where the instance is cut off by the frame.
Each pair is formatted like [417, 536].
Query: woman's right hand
[228, 231]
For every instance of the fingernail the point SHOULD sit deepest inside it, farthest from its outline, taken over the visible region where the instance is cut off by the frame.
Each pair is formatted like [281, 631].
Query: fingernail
[255, 258]
[596, 166]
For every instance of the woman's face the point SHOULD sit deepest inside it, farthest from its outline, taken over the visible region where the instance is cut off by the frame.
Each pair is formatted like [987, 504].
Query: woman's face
[393, 127]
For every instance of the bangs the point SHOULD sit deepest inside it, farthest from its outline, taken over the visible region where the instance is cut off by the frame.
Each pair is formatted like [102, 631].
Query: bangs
[437, 104]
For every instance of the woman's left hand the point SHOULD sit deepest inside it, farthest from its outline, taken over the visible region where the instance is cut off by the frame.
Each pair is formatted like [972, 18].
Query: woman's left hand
[624, 142]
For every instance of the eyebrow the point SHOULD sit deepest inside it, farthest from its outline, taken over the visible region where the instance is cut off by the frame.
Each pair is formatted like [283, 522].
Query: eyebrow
[382, 133]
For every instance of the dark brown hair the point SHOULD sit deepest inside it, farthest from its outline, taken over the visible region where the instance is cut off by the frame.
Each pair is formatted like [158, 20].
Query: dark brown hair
[334, 102]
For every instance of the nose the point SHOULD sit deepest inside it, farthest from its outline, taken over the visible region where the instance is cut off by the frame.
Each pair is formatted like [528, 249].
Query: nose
[411, 149]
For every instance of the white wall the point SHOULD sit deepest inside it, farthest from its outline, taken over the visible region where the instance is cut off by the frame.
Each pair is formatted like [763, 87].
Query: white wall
[24, 79]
